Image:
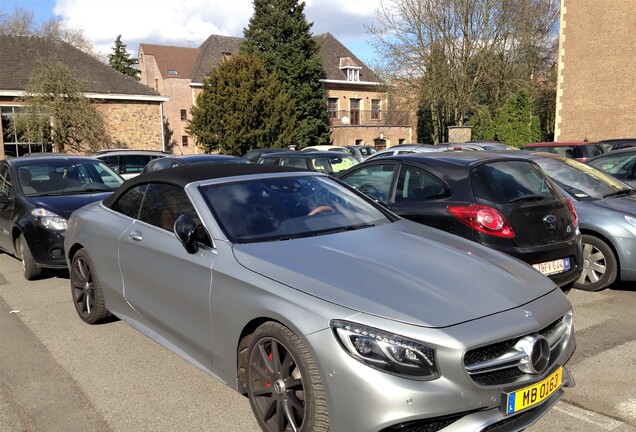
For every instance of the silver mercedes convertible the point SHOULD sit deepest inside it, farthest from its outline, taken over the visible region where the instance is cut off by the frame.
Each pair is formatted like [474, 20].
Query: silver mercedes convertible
[326, 310]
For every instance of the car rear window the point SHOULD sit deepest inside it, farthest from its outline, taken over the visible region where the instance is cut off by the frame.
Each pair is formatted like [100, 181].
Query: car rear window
[511, 181]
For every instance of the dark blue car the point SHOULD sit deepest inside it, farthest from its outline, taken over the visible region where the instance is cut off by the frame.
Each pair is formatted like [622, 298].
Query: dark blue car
[38, 193]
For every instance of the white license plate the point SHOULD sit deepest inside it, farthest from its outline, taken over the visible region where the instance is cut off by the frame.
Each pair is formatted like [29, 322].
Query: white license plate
[553, 267]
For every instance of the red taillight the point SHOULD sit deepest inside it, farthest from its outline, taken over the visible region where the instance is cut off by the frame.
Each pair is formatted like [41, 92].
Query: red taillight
[484, 219]
[575, 217]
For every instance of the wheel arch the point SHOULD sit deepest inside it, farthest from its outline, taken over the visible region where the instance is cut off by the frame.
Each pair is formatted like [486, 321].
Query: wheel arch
[607, 240]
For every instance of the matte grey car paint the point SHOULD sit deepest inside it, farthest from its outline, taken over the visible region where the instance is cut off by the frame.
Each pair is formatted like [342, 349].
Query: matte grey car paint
[402, 277]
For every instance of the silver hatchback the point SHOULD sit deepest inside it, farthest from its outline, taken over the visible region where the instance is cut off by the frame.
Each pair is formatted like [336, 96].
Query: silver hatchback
[326, 310]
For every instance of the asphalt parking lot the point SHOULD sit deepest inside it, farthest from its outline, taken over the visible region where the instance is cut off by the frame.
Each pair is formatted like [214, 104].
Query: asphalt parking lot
[59, 374]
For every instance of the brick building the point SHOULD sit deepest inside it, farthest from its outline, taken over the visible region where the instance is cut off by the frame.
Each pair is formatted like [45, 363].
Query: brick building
[132, 112]
[596, 90]
[359, 111]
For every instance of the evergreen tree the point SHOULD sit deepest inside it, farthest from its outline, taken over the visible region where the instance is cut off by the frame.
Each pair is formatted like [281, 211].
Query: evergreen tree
[120, 60]
[279, 33]
[242, 106]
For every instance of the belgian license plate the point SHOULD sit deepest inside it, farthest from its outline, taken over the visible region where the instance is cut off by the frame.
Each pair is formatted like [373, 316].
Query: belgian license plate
[552, 267]
[534, 394]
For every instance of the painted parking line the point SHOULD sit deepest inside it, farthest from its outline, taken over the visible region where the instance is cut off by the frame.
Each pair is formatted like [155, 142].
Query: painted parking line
[599, 420]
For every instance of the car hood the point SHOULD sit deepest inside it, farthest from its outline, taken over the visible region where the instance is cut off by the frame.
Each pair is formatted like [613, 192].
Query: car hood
[623, 204]
[64, 205]
[402, 271]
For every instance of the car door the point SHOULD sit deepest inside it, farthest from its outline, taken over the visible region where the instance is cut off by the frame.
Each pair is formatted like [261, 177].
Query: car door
[163, 282]
[6, 207]
[423, 197]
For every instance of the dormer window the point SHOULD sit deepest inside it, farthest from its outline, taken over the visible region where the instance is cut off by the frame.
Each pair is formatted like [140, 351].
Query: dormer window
[225, 56]
[172, 72]
[350, 69]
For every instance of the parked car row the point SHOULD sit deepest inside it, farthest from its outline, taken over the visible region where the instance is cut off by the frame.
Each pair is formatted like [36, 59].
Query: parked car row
[441, 275]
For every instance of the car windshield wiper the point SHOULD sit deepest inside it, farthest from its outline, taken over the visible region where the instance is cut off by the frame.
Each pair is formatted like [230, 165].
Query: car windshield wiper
[343, 229]
[527, 198]
[619, 193]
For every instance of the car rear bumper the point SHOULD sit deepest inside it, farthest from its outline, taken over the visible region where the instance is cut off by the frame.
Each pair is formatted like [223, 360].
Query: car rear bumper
[573, 250]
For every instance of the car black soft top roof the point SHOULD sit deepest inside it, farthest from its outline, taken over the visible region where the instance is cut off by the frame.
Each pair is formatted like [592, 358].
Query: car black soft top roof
[182, 176]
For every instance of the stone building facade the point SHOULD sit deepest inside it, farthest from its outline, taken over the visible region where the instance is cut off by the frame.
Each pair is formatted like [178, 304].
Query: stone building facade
[359, 110]
[132, 112]
[596, 90]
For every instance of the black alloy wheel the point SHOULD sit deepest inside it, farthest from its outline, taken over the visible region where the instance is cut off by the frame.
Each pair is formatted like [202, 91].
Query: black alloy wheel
[283, 384]
[88, 297]
[599, 265]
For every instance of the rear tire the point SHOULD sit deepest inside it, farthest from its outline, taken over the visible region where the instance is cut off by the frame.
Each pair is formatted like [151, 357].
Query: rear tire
[599, 265]
[86, 289]
[31, 270]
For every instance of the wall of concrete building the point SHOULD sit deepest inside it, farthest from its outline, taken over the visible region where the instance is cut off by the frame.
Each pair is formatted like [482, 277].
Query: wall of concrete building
[596, 90]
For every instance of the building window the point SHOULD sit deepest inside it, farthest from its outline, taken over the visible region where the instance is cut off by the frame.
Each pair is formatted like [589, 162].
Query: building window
[375, 109]
[172, 72]
[401, 141]
[16, 144]
[332, 107]
[358, 142]
[354, 111]
[184, 140]
[184, 115]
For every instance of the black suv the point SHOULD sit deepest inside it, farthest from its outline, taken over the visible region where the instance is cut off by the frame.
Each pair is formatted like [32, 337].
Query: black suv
[38, 193]
[505, 203]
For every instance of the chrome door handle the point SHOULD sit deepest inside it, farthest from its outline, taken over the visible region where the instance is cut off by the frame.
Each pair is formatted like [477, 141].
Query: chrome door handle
[135, 236]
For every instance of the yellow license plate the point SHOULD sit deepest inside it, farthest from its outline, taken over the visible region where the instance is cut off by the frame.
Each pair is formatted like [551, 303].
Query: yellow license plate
[534, 394]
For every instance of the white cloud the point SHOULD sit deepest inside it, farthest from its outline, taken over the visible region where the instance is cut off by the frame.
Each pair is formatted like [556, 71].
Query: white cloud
[190, 22]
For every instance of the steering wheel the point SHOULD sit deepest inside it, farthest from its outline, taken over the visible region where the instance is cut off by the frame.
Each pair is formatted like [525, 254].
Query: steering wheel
[322, 209]
[372, 191]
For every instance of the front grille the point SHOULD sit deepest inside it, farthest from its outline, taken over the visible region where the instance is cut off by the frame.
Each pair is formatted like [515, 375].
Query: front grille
[498, 363]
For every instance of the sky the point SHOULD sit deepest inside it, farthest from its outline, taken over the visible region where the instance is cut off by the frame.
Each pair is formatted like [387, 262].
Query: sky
[188, 23]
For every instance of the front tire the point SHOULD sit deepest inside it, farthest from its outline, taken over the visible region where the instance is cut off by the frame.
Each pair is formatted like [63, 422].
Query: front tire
[86, 289]
[599, 265]
[31, 270]
[283, 384]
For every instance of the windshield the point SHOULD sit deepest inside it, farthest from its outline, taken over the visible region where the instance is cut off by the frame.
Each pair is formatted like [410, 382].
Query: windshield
[580, 180]
[66, 177]
[282, 208]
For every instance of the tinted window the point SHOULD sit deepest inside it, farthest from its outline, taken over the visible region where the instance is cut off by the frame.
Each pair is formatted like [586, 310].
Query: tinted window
[5, 179]
[111, 161]
[620, 166]
[510, 181]
[284, 208]
[60, 176]
[580, 180]
[133, 164]
[373, 180]
[415, 184]
[163, 204]
[128, 204]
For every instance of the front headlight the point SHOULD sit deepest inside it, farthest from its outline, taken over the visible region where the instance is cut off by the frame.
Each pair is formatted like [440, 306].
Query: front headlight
[49, 220]
[630, 220]
[387, 352]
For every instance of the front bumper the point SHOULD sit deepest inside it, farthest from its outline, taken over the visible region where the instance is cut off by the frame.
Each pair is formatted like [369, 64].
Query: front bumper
[366, 400]
[46, 246]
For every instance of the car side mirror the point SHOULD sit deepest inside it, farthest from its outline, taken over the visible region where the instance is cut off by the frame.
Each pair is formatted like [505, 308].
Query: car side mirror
[185, 228]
